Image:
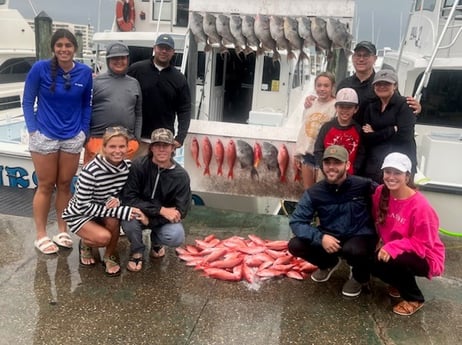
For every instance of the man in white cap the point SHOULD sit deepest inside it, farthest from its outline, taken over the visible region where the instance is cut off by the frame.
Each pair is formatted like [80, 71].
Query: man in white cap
[166, 93]
[345, 227]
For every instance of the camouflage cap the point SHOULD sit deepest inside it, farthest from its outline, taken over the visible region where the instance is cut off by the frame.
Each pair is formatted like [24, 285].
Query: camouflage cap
[337, 152]
[162, 135]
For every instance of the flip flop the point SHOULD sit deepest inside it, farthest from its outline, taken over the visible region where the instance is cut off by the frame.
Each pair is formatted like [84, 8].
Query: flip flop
[136, 261]
[407, 308]
[46, 246]
[63, 240]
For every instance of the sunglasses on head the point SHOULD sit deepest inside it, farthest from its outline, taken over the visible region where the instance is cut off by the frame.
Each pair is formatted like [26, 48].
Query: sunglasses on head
[67, 81]
[116, 130]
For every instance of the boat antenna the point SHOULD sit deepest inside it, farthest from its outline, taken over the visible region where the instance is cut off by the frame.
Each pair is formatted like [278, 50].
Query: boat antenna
[428, 70]
[403, 38]
[33, 8]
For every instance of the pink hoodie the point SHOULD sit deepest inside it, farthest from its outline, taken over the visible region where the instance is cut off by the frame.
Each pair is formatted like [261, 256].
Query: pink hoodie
[411, 226]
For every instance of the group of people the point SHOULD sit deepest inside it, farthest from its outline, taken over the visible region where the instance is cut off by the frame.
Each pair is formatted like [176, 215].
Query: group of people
[358, 158]
[367, 128]
[116, 116]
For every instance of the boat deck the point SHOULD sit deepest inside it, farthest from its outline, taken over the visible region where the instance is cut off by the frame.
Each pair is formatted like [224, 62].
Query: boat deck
[51, 300]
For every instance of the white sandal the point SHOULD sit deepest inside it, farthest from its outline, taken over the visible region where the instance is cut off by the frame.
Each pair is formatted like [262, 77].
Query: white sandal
[63, 240]
[46, 246]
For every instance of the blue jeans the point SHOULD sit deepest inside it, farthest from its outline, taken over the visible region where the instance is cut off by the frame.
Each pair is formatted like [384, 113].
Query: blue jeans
[170, 234]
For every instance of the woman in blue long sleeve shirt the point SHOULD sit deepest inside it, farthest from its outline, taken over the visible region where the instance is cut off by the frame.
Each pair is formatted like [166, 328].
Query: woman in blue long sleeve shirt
[61, 89]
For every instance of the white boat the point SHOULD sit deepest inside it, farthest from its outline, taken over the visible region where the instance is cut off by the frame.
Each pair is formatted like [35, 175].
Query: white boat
[251, 99]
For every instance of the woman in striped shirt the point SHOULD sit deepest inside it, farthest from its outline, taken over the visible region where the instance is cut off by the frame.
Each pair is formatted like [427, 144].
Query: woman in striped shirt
[94, 212]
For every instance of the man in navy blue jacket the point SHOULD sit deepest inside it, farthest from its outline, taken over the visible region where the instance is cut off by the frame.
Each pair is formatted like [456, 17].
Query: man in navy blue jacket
[342, 205]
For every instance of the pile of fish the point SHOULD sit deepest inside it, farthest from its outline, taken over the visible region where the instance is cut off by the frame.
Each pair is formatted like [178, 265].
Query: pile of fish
[262, 33]
[248, 157]
[237, 258]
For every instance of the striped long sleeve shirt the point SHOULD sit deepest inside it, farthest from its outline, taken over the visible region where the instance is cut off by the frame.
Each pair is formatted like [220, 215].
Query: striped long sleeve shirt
[98, 182]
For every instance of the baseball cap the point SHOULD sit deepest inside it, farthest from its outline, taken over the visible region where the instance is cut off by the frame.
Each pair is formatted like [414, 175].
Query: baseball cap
[347, 96]
[162, 135]
[369, 46]
[337, 152]
[398, 161]
[165, 40]
[117, 49]
[386, 75]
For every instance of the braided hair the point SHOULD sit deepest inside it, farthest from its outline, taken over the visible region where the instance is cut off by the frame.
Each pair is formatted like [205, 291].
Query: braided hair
[60, 33]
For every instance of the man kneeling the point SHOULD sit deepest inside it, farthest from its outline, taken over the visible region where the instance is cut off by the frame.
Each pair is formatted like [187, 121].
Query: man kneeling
[341, 205]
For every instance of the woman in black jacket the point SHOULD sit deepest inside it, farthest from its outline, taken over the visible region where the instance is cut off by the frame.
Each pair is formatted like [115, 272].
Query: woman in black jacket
[388, 126]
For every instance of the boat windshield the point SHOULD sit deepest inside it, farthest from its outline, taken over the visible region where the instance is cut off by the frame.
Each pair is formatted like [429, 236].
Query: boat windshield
[441, 101]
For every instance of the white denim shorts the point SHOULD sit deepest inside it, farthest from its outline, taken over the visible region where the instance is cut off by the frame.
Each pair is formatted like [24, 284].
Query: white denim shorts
[40, 143]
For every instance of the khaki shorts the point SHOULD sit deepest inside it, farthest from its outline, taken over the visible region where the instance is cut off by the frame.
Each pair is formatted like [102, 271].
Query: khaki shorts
[40, 143]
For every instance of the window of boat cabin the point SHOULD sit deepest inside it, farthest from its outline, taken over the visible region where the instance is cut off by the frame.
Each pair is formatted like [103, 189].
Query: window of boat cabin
[271, 74]
[164, 8]
[447, 8]
[428, 5]
[441, 100]
[168, 13]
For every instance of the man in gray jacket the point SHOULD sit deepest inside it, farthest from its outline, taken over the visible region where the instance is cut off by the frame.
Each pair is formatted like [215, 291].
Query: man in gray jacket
[116, 102]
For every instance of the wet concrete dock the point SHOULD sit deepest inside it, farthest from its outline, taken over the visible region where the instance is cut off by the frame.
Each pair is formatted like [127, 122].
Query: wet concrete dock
[51, 300]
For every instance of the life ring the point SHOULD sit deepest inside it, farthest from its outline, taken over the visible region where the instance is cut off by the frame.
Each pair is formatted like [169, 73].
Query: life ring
[125, 15]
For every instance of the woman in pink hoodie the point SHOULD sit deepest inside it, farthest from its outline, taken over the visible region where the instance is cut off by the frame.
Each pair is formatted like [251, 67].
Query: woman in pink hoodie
[408, 228]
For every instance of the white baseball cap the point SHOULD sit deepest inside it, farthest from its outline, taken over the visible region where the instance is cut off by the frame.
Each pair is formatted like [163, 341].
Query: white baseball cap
[398, 161]
[347, 96]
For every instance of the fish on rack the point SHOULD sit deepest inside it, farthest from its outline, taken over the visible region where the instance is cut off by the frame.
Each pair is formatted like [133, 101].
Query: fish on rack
[304, 31]
[210, 29]
[240, 42]
[223, 29]
[270, 157]
[219, 153]
[197, 29]
[248, 30]
[206, 154]
[262, 31]
[244, 154]
[277, 33]
[195, 151]
[293, 37]
[319, 32]
[283, 162]
[231, 157]
[339, 35]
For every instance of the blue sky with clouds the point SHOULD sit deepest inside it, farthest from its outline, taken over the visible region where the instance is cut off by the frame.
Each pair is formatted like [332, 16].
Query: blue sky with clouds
[378, 20]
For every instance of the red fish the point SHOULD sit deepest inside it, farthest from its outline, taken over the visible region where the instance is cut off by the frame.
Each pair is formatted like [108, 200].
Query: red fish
[231, 157]
[216, 254]
[219, 273]
[277, 245]
[295, 275]
[283, 161]
[297, 170]
[227, 263]
[256, 239]
[257, 154]
[248, 274]
[219, 156]
[206, 154]
[195, 151]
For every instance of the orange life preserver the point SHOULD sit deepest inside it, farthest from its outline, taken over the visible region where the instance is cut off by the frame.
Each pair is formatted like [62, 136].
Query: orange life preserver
[125, 15]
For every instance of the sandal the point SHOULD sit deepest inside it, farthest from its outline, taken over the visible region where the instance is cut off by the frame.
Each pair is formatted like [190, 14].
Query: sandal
[46, 246]
[135, 264]
[157, 252]
[85, 252]
[63, 240]
[110, 262]
[407, 308]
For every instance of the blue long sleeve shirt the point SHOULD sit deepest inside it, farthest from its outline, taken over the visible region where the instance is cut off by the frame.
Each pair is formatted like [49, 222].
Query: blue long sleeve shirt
[61, 114]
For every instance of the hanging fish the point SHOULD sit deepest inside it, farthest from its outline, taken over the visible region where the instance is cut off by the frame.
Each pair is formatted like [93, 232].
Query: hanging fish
[339, 35]
[197, 29]
[291, 33]
[210, 29]
[319, 32]
[248, 30]
[240, 42]
[223, 29]
[304, 30]
[257, 154]
[270, 156]
[231, 157]
[244, 155]
[262, 31]
[206, 154]
[277, 33]
[219, 152]
[283, 162]
[195, 151]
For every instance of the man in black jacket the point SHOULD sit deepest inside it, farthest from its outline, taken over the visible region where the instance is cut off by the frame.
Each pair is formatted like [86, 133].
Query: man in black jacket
[160, 188]
[165, 92]
[342, 204]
